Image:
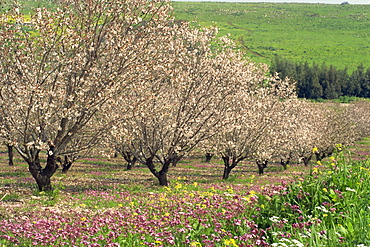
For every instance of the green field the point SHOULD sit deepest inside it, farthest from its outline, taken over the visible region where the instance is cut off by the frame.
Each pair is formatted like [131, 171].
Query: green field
[323, 33]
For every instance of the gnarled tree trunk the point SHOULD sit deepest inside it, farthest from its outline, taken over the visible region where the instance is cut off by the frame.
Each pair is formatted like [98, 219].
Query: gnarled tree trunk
[131, 163]
[228, 167]
[10, 155]
[66, 164]
[208, 157]
[306, 160]
[160, 175]
[128, 156]
[262, 164]
[285, 163]
[43, 175]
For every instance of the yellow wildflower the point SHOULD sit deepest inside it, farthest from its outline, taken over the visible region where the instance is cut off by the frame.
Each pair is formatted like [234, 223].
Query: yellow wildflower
[230, 242]
[178, 186]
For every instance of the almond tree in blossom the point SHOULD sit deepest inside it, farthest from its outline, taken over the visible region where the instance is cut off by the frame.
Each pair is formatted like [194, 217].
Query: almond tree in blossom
[186, 100]
[254, 117]
[359, 113]
[335, 127]
[61, 67]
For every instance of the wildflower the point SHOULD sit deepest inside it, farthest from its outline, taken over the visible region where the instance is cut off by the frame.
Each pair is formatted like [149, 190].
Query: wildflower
[195, 244]
[230, 242]
[349, 189]
[274, 219]
[315, 150]
[83, 219]
[178, 186]
[325, 190]
[297, 243]
[331, 158]
[195, 184]
[319, 163]
[246, 198]
[339, 147]
[322, 208]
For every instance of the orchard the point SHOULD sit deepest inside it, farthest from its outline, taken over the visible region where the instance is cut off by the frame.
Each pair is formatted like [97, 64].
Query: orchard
[91, 79]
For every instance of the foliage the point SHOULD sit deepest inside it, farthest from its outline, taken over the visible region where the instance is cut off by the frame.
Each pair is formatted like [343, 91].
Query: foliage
[326, 209]
[326, 82]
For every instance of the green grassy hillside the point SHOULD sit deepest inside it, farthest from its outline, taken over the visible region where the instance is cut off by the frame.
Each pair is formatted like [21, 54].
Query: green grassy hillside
[334, 34]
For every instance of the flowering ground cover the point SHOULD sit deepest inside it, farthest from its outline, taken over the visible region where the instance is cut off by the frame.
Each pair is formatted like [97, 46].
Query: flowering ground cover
[99, 203]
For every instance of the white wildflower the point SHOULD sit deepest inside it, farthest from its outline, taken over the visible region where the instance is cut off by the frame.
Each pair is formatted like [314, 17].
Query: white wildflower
[349, 189]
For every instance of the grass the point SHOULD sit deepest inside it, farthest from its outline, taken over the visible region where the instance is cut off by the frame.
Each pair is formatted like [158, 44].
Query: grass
[321, 33]
[92, 206]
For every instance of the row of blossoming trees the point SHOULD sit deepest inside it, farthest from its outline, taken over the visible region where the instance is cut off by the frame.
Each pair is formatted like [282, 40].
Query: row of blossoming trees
[123, 73]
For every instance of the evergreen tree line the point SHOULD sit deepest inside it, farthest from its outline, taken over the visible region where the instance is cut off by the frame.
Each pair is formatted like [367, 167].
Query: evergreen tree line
[322, 81]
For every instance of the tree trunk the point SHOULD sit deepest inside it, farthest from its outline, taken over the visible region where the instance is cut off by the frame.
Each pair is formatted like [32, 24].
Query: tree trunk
[162, 174]
[285, 163]
[208, 157]
[228, 167]
[131, 163]
[306, 160]
[175, 160]
[226, 173]
[43, 175]
[129, 158]
[66, 165]
[261, 166]
[162, 178]
[10, 154]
